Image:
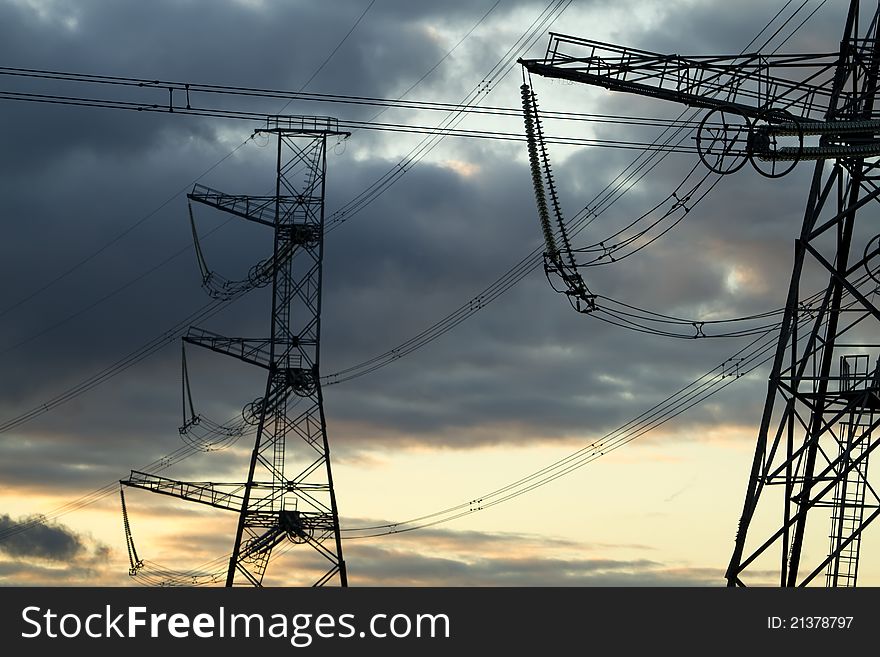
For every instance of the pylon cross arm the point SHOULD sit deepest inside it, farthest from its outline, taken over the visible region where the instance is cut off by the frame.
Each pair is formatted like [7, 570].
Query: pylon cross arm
[742, 82]
[221, 496]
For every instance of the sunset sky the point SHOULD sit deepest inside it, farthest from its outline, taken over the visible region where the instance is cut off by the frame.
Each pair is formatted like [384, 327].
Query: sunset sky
[96, 262]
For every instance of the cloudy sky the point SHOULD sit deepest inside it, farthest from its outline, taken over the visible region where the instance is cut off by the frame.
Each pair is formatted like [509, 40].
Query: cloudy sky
[97, 262]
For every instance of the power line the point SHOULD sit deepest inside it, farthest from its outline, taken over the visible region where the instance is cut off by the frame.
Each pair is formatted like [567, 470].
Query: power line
[67, 272]
[516, 273]
[733, 367]
[210, 304]
[743, 362]
[333, 221]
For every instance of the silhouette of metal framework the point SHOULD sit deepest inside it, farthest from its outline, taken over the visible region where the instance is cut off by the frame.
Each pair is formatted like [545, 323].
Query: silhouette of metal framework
[823, 400]
[288, 494]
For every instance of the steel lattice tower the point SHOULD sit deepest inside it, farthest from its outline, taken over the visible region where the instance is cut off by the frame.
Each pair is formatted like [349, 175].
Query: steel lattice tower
[823, 400]
[289, 491]
[821, 410]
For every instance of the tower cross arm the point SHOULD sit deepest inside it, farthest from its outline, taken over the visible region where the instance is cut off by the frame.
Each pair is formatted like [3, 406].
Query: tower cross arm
[220, 496]
[254, 351]
[792, 85]
[259, 209]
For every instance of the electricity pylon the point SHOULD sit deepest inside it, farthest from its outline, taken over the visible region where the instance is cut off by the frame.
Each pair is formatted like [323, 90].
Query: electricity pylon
[288, 494]
[823, 399]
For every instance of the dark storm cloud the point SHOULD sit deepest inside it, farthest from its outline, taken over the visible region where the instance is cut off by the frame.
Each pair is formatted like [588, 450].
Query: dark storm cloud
[50, 555]
[40, 574]
[485, 541]
[447, 557]
[53, 542]
[378, 566]
[730, 28]
[527, 361]
[101, 193]
[276, 45]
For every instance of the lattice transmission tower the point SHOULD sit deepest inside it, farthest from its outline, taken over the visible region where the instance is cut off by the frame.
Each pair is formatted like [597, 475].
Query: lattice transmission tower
[822, 406]
[288, 494]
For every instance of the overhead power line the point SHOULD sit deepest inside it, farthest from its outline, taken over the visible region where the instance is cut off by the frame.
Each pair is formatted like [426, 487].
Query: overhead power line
[184, 448]
[191, 107]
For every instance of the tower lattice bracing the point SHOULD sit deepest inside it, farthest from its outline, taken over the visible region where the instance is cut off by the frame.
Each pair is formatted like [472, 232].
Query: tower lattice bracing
[820, 415]
[288, 495]
[822, 408]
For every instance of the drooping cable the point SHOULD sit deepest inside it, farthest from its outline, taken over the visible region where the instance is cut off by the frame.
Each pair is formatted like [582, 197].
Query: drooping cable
[476, 302]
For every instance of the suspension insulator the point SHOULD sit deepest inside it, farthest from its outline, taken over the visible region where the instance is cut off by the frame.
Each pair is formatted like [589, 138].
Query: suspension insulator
[537, 182]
